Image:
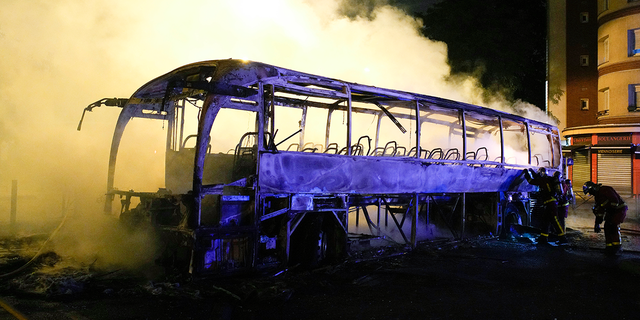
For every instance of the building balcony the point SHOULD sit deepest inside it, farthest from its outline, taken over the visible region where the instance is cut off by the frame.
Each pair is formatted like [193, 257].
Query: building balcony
[604, 117]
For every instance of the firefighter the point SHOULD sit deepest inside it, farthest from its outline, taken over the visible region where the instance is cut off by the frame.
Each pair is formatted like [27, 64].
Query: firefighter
[611, 209]
[564, 195]
[547, 191]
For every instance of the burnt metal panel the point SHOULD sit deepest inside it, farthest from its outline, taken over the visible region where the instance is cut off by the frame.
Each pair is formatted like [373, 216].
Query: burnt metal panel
[325, 173]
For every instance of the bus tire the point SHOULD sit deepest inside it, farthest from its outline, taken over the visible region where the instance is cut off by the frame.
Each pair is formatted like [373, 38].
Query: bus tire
[512, 217]
[334, 240]
[318, 240]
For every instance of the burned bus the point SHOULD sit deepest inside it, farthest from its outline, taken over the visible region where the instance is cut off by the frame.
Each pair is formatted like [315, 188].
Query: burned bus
[267, 167]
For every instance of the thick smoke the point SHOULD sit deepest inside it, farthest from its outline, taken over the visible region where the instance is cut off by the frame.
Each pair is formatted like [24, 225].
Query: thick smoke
[59, 56]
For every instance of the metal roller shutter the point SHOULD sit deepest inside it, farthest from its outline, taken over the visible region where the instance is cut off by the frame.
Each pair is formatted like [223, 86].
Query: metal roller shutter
[614, 170]
[581, 170]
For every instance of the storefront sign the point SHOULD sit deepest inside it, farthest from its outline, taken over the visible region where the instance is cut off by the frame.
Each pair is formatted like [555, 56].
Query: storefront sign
[581, 140]
[613, 151]
[614, 139]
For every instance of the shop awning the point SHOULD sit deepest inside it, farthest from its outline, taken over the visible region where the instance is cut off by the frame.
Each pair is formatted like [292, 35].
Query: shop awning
[612, 147]
[576, 147]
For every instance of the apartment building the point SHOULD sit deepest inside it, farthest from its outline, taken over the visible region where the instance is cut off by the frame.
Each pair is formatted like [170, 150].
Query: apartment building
[594, 59]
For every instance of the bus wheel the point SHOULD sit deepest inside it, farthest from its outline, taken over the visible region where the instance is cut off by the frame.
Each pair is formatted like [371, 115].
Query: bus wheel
[511, 219]
[317, 241]
[333, 242]
[305, 249]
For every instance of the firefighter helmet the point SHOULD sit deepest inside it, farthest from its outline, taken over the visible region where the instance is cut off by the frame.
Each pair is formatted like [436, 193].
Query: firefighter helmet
[588, 187]
[542, 172]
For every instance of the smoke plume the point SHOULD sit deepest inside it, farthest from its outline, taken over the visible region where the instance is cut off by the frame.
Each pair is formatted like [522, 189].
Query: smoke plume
[59, 56]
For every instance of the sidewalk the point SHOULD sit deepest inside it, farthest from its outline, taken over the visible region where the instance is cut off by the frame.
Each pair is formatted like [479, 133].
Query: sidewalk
[582, 210]
[581, 218]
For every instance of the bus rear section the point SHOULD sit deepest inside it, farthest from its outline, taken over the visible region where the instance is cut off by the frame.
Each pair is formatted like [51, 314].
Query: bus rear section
[259, 167]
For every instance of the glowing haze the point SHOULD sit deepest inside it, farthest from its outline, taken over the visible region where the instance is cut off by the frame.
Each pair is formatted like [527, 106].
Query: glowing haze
[58, 56]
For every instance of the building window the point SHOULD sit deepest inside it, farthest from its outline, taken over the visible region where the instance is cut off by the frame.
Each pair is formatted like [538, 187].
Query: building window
[584, 104]
[634, 97]
[633, 40]
[604, 100]
[584, 17]
[603, 50]
[604, 5]
[584, 60]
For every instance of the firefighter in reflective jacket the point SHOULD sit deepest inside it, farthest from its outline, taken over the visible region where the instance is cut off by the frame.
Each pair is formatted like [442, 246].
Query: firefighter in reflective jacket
[611, 209]
[564, 194]
[547, 190]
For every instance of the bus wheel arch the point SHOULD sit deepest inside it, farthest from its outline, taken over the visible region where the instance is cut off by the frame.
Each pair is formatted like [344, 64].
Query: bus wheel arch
[319, 239]
[514, 214]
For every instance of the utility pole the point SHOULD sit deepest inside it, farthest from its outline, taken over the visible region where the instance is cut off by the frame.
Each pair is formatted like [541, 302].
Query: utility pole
[14, 205]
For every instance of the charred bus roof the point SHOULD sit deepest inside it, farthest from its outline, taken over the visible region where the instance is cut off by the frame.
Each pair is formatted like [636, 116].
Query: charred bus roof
[238, 78]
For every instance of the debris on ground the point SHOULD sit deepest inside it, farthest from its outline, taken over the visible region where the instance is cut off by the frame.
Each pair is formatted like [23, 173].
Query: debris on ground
[58, 278]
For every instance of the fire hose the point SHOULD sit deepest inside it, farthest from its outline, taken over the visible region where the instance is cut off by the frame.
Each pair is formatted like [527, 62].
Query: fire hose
[5, 305]
[12, 311]
[26, 265]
